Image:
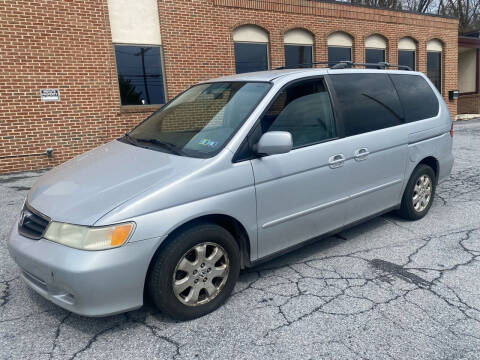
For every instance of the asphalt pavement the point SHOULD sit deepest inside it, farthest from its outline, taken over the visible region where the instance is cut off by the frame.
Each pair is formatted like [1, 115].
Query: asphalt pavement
[385, 289]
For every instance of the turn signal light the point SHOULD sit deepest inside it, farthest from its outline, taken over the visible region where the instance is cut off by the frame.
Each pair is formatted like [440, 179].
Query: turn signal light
[451, 129]
[120, 234]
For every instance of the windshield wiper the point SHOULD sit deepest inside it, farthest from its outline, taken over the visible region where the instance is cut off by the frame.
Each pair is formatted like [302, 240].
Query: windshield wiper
[130, 139]
[166, 145]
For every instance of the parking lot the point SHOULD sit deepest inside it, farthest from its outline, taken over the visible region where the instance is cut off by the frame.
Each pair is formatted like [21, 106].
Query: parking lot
[384, 289]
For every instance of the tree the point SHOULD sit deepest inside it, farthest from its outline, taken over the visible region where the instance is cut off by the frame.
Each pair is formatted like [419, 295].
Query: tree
[467, 12]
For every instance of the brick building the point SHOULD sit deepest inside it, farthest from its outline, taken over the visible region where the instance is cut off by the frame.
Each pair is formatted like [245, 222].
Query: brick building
[78, 73]
[469, 74]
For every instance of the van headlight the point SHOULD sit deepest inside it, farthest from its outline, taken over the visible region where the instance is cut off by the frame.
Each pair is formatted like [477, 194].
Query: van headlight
[89, 238]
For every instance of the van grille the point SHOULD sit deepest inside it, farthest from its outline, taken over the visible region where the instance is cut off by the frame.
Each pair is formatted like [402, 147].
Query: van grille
[32, 224]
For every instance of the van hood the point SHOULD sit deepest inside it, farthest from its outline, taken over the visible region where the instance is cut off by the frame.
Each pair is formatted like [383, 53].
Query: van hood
[90, 185]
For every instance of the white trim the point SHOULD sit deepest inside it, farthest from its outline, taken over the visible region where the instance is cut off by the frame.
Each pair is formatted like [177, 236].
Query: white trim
[298, 37]
[375, 42]
[134, 22]
[435, 45]
[339, 39]
[250, 33]
[407, 43]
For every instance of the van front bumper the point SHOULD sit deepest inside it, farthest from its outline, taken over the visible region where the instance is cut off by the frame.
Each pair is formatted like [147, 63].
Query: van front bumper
[89, 283]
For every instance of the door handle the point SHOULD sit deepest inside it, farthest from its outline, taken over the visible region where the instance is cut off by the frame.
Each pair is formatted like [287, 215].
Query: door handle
[361, 154]
[336, 161]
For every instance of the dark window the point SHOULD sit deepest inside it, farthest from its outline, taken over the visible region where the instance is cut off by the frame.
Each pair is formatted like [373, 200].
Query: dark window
[407, 58]
[368, 102]
[417, 98]
[250, 57]
[298, 56]
[374, 56]
[304, 110]
[434, 68]
[339, 53]
[140, 76]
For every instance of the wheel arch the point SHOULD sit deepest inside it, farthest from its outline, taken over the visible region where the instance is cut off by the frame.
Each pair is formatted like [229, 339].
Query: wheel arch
[228, 222]
[433, 163]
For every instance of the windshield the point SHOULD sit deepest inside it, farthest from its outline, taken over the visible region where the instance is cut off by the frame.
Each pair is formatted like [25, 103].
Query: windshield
[200, 121]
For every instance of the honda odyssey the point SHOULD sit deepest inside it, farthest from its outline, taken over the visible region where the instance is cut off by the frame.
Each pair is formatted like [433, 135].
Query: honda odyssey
[230, 173]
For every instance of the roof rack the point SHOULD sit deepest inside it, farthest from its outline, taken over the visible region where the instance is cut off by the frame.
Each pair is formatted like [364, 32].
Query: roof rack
[344, 64]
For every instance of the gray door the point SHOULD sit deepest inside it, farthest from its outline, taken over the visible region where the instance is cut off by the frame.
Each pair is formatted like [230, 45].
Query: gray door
[376, 141]
[303, 193]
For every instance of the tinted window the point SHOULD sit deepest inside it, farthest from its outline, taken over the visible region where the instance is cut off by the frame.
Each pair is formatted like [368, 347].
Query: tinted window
[368, 102]
[374, 56]
[407, 58]
[417, 98]
[304, 110]
[339, 53]
[140, 76]
[250, 57]
[434, 72]
[298, 56]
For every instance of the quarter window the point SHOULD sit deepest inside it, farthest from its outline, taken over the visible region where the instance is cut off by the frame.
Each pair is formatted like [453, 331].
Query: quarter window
[416, 96]
[140, 75]
[368, 102]
[304, 110]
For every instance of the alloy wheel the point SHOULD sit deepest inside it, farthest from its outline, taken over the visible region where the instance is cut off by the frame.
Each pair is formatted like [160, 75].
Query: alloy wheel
[200, 274]
[422, 193]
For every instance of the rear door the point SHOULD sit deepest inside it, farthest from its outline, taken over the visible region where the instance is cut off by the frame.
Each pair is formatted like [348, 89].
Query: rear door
[376, 141]
[303, 193]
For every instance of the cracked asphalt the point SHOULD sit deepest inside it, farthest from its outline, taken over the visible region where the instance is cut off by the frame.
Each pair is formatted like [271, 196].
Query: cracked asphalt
[387, 288]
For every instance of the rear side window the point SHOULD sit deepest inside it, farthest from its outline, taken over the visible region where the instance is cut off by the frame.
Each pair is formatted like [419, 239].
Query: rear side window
[368, 102]
[417, 98]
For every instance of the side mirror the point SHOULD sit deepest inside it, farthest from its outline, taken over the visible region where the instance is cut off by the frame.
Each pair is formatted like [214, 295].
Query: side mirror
[275, 142]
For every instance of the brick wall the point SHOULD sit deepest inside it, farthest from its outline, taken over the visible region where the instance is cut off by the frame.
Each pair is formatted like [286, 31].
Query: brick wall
[197, 36]
[469, 104]
[66, 44]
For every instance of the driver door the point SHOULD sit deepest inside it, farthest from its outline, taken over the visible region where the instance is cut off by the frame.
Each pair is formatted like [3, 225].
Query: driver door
[303, 193]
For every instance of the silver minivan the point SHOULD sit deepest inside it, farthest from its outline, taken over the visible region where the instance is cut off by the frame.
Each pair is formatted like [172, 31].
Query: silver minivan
[230, 173]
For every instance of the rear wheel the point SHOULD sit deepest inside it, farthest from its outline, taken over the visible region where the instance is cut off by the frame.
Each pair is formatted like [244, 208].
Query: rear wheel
[195, 272]
[418, 196]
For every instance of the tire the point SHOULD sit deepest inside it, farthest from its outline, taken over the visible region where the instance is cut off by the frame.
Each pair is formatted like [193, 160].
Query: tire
[410, 209]
[179, 265]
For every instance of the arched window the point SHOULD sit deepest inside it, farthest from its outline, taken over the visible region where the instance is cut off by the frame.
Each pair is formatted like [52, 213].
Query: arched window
[375, 47]
[434, 62]
[407, 52]
[251, 49]
[138, 51]
[298, 47]
[339, 47]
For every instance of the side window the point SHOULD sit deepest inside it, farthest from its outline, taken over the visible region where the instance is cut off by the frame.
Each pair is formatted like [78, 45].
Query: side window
[304, 110]
[417, 98]
[368, 102]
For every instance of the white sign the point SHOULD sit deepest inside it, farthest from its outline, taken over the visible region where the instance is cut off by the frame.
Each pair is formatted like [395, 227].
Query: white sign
[50, 94]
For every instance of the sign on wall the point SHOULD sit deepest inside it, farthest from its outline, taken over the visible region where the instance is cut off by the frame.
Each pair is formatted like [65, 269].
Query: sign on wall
[50, 94]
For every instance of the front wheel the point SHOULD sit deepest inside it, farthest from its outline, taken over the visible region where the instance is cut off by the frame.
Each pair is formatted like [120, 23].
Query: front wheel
[418, 196]
[195, 273]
